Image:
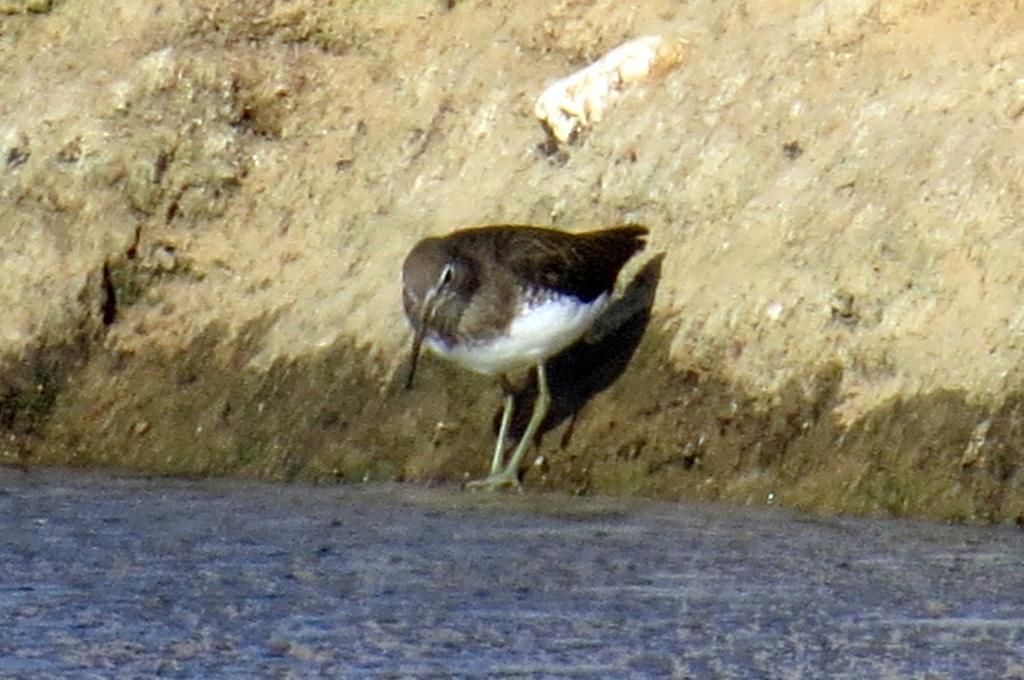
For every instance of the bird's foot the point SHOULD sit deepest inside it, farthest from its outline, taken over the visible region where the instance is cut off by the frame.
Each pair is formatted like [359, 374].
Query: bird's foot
[497, 480]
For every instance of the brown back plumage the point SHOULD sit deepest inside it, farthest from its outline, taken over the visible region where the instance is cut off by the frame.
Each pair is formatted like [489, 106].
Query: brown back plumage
[583, 264]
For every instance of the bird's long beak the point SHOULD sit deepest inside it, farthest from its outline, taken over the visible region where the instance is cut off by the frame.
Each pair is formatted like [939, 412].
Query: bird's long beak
[421, 331]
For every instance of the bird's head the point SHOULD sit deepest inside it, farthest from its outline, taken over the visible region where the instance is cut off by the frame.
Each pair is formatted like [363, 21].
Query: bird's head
[436, 286]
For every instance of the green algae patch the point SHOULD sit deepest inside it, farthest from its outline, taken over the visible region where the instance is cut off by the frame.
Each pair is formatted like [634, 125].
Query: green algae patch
[205, 409]
[621, 478]
[31, 386]
[693, 435]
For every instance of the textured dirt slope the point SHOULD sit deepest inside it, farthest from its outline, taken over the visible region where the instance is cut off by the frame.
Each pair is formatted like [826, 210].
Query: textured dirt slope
[204, 206]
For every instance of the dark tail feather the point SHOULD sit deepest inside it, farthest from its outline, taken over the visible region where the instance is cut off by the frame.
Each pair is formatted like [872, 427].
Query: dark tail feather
[617, 244]
[628, 238]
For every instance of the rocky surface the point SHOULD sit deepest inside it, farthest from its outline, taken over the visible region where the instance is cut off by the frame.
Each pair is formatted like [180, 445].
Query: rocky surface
[204, 206]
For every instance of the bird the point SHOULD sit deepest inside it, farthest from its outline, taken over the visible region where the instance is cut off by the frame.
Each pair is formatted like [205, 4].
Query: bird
[501, 298]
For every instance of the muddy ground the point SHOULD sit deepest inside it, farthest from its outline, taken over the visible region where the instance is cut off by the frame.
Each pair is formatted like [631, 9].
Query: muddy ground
[116, 576]
[204, 206]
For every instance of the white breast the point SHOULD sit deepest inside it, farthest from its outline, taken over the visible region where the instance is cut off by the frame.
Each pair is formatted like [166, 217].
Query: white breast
[539, 332]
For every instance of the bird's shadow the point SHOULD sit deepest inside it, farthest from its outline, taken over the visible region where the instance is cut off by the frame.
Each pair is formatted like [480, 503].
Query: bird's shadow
[594, 363]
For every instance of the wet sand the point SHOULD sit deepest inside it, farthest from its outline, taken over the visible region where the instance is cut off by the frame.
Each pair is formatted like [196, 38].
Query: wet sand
[108, 576]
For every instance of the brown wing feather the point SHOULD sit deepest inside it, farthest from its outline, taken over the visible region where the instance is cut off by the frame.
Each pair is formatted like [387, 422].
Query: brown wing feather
[583, 265]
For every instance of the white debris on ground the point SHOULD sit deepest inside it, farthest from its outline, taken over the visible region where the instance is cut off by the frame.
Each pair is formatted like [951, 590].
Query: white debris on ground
[579, 101]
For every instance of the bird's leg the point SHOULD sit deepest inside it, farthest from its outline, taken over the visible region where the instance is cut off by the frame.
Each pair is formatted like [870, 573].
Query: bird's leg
[540, 411]
[506, 418]
[510, 475]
